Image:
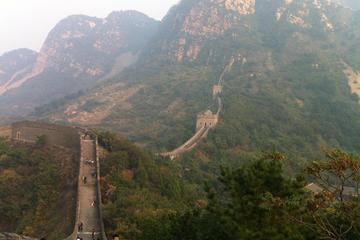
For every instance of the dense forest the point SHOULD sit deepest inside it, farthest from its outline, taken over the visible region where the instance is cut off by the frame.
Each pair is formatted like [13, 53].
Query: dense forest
[147, 197]
[137, 185]
[37, 184]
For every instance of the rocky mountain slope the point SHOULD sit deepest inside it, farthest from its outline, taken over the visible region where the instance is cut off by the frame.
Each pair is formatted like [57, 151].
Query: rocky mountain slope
[15, 63]
[287, 87]
[78, 52]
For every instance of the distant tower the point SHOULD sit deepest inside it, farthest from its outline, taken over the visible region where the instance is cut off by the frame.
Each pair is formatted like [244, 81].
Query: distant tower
[206, 119]
[217, 89]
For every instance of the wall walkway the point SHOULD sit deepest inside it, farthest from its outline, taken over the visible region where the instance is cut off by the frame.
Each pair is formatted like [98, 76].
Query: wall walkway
[189, 145]
[83, 141]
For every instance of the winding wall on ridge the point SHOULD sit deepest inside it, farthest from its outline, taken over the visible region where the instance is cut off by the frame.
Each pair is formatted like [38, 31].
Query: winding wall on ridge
[205, 121]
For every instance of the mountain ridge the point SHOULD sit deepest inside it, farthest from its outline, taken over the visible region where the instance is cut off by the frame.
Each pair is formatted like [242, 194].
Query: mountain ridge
[78, 52]
[14, 61]
[167, 92]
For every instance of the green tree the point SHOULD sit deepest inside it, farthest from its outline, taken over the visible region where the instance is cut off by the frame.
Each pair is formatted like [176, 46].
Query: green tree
[336, 209]
[255, 201]
[41, 140]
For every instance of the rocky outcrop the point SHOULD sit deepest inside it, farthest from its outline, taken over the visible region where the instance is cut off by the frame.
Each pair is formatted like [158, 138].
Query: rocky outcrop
[353, 79]
[205, 19]
[14, 62]
[87, 46]
[299, 13]
[243, 7]
[192, 25]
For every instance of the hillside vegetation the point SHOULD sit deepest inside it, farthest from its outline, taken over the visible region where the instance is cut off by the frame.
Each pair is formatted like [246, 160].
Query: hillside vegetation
[257, 201]
[137, 185]
[286, 89]
[37, 190]
[148, 198]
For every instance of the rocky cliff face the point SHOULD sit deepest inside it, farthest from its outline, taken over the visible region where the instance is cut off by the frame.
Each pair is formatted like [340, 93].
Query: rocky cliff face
[78, 52]
[191, 23]
[15, 62]
[87, 46]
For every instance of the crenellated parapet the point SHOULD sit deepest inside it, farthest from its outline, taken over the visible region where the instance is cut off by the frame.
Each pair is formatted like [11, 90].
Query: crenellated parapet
[206, 119]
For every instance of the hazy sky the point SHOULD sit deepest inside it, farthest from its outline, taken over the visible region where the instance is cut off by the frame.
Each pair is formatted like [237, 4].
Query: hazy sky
[26, 23]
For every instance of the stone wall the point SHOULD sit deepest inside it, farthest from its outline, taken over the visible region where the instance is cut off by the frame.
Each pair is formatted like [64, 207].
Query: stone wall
[65, 136]
[5, 131]
[99, 198]
[217, 89]
[206, 119]
[27, 131]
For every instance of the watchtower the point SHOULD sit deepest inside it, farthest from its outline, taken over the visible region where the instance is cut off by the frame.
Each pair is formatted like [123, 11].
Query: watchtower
[217, 89]
[206, 119]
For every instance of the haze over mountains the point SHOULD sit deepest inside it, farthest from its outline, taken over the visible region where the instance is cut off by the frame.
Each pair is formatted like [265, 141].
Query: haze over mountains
[282, 76]
[351, 4]
[287, 85]
[15, 61]
[77, 53]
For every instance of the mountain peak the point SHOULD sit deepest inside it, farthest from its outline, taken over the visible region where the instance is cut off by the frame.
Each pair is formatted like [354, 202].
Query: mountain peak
[77, 53]
[15, 61]
[127, 13]
[63, 52]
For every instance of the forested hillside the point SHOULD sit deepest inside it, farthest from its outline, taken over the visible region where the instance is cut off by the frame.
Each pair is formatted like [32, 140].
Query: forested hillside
[137, 185]
[146, 197]
[37, 189]
[289, 87]
[257, 201]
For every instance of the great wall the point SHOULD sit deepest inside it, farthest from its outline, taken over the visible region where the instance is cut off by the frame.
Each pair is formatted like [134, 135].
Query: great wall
[204, 120]
[85, 143]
